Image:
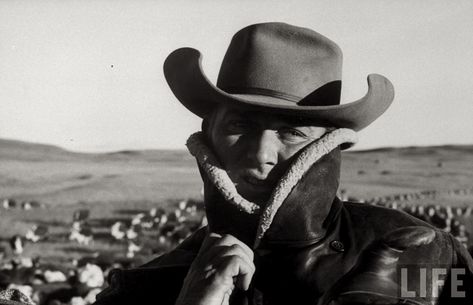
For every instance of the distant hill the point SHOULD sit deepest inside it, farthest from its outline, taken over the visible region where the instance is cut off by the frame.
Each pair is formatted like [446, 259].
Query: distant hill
[19, 150]
[26, 151]
[423, 150]
[57, 176]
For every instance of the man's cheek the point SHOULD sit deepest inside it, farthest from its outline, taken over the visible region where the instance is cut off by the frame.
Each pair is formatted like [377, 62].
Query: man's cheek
[228, 150]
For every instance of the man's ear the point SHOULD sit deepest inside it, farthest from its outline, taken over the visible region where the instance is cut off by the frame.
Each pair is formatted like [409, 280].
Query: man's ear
[205, 125]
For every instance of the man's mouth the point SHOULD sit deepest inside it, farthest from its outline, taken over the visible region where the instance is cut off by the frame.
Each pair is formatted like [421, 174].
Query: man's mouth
[257, 182]
[255, 188]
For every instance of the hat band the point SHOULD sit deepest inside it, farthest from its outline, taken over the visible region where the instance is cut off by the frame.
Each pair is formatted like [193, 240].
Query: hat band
[326, 95]
[262, 91]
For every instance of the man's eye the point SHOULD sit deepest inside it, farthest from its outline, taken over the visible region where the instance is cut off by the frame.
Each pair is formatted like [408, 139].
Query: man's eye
[238, 126]
[291, 134]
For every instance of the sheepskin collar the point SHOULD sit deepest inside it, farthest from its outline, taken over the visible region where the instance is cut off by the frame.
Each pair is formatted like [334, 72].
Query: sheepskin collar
[298, 207]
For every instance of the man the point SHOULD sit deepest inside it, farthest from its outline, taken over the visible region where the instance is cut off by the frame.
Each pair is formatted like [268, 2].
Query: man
[269, 157]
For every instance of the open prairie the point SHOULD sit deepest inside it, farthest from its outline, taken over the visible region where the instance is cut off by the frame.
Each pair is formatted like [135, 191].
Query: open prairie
[60, 178]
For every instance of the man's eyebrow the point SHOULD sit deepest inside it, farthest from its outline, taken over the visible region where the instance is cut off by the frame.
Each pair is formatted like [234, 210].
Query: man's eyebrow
[305, 121]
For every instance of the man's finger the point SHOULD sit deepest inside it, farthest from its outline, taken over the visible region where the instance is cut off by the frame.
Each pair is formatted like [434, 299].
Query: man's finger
[235, 267]
[219, 252]
[228, 240]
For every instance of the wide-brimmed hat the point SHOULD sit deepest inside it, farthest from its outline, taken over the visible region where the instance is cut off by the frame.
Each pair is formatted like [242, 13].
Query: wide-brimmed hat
[279, 68]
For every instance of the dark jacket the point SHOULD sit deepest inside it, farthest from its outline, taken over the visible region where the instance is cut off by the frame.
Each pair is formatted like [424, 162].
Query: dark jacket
[302, 274]
[314, 244]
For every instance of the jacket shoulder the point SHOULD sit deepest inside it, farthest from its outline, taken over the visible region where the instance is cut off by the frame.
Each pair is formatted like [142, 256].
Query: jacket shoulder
[443, 254]
[374, 223]
[380, 218]
[183, 254]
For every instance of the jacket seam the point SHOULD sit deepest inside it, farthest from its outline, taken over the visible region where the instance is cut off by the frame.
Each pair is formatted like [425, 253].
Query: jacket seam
[454, 259]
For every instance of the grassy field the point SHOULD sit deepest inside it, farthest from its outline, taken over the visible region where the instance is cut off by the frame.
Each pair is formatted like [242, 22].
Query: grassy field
[115, 186]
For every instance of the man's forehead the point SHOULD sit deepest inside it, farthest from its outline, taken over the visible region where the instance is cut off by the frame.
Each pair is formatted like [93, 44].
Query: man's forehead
[223, 112]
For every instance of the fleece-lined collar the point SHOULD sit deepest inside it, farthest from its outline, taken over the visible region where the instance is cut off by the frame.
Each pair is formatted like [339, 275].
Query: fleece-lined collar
[222, 182]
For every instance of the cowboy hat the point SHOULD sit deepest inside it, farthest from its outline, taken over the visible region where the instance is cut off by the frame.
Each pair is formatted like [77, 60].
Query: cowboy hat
[279, 68]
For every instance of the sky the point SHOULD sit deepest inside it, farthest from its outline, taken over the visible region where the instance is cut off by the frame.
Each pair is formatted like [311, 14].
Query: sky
[87, 75]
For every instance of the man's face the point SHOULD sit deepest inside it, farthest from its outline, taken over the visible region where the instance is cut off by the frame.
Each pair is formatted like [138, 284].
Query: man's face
[256, 147]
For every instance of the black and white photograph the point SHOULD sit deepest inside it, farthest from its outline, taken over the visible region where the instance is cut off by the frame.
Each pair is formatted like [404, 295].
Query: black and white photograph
[236, 152]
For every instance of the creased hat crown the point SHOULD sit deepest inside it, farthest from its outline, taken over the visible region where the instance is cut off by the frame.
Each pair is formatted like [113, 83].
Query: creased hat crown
[283, 61]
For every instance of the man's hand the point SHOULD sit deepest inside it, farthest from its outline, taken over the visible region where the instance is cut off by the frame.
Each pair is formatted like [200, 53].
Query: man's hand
[223, 263]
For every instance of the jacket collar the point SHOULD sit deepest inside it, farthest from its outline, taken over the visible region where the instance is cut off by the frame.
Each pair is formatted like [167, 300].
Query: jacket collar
[299, 205]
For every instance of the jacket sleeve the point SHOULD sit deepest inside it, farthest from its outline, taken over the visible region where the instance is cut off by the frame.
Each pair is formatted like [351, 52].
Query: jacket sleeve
[157, 282]
[143, 286]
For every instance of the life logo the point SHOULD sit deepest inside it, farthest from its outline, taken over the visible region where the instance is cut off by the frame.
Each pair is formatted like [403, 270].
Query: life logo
[431, 282]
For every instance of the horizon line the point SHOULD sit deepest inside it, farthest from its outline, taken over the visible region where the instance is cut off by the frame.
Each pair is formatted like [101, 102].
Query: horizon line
[90, 151]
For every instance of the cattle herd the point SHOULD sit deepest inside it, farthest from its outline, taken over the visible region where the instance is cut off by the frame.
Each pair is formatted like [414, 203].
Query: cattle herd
[148, 234]
[142, 235]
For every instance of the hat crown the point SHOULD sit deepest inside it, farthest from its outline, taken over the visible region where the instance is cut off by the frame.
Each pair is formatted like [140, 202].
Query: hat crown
[284, 61]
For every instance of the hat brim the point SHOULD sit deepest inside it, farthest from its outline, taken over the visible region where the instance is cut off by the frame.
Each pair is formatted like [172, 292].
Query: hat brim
[184, 74]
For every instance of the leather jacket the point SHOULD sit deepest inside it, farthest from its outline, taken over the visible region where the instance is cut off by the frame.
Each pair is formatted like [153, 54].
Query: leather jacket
[299, 275]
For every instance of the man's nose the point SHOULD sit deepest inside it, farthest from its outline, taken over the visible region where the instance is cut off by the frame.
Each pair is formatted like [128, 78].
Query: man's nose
[264, 149]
